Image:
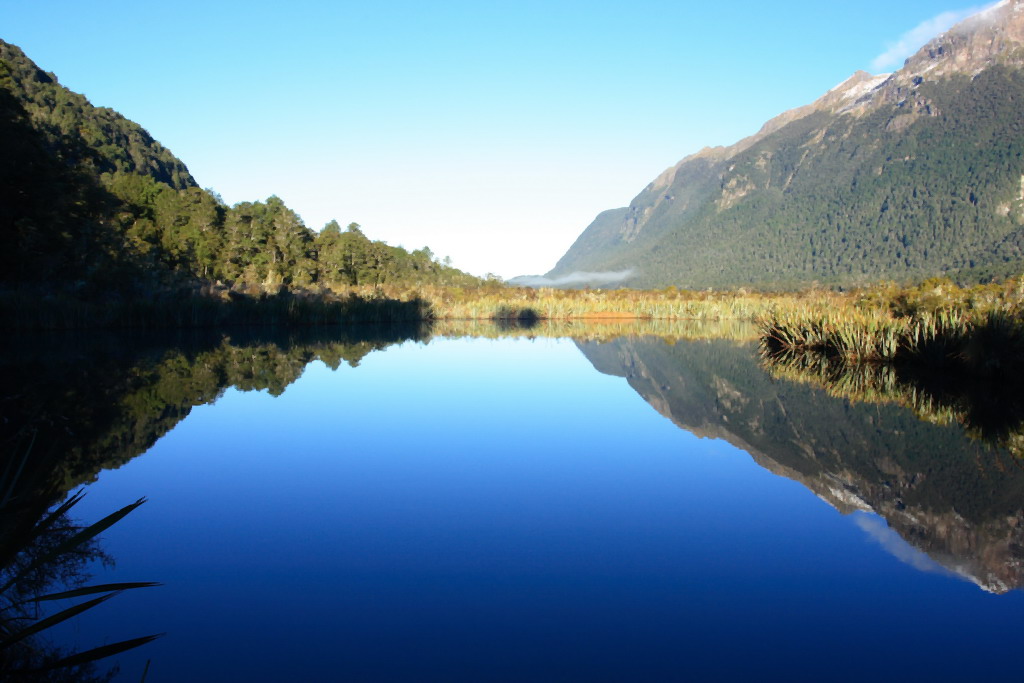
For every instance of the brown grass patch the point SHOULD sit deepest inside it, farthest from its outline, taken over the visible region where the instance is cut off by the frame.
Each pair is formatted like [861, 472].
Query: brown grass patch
[598, 316]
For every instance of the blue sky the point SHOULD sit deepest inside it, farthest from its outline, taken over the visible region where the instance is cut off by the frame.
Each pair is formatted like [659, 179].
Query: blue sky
[490, 132]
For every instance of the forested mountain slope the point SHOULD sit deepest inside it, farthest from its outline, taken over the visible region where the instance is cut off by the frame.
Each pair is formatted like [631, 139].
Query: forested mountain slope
[91, 203]
[905, 175]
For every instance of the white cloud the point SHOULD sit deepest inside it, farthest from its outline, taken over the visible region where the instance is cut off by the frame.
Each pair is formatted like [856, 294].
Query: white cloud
[894, 544]
[911, 41]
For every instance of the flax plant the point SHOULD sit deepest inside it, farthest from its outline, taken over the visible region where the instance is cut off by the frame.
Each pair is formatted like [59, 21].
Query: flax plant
[950, 355]
[52, 550]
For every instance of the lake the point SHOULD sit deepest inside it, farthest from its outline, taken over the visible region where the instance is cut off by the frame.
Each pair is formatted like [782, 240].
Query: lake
[396, 506]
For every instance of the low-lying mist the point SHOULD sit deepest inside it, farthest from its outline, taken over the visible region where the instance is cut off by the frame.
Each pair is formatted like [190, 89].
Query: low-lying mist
[608, 277]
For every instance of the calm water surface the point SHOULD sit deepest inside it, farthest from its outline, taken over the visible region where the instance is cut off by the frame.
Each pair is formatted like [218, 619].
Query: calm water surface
[516, 509]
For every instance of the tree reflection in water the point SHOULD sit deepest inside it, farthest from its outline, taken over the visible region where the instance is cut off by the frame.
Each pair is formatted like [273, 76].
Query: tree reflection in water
[73, 407]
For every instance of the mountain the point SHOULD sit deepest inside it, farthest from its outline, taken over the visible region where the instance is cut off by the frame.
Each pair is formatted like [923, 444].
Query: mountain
[58, 218]
[952, 498]
[92, 205]
[80, 133]
[904, 176]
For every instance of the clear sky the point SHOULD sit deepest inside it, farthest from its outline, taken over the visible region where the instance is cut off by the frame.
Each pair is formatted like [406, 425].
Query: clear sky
[492, 132]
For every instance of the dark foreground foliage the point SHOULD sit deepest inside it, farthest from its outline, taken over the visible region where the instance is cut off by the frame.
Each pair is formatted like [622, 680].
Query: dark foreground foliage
[44, 561]
[207, 307]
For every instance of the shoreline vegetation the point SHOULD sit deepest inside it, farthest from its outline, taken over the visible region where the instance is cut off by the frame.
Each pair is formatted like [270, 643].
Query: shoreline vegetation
[936, 326]
[875, 323]
[600, 329]
[242, 303]
[949, 354]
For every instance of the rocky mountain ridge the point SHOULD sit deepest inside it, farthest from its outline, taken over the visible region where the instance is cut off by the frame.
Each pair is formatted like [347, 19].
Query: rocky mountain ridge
[841, 163]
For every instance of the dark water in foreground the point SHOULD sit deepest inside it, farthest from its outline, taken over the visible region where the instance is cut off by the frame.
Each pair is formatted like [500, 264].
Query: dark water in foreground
[515, 509]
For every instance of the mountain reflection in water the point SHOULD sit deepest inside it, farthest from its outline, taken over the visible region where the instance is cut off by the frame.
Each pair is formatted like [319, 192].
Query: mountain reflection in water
[84, 407]
[957, 499]
[473, 500]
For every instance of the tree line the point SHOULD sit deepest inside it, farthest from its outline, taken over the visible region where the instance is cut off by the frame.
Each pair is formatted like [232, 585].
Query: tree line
[90, 202]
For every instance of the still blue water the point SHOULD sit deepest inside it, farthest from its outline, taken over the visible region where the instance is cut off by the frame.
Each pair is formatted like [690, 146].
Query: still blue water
[472, 509]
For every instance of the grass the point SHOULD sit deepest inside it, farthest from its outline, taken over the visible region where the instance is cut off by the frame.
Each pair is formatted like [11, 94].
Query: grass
[601, 329]
[219, 306]
[875, 323]
[965, 341]
[495, 302]
[949, 354]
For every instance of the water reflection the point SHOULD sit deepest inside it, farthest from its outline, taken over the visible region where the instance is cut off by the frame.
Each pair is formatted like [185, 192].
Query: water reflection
[48, 561]
[73, 407]
[989, 408]
[952, 497]
[456, 542]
